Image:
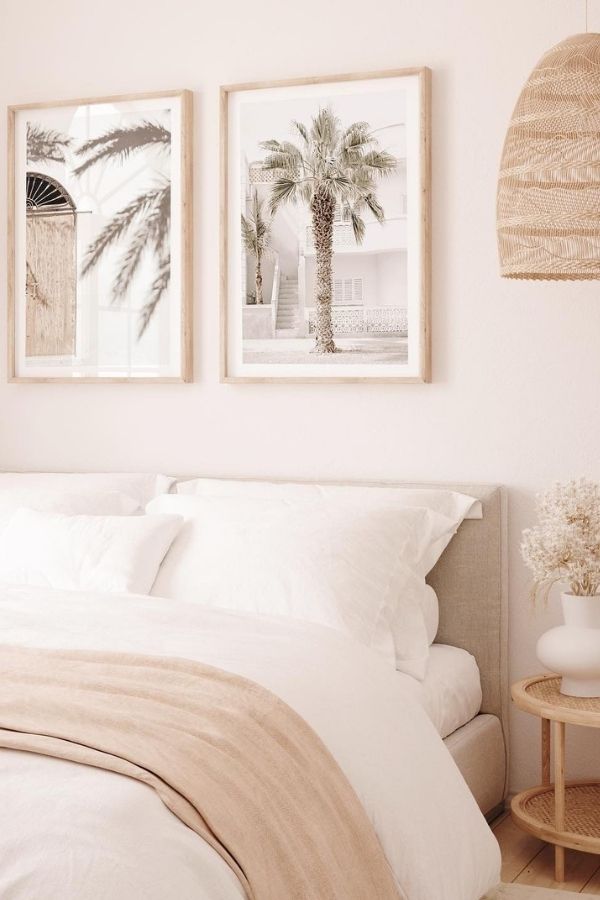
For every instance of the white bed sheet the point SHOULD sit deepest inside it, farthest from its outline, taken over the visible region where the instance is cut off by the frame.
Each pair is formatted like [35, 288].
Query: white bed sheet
[451, 689]
[71, 832]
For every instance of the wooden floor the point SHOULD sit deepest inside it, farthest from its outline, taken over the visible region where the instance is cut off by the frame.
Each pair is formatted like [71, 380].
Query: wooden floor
[527, 860]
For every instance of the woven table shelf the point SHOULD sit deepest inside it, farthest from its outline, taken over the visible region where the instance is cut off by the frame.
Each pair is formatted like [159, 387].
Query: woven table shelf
[542, 697]
[533, 810]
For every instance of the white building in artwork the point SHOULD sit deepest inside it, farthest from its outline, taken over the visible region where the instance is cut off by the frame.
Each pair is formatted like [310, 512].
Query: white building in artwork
[369, 281]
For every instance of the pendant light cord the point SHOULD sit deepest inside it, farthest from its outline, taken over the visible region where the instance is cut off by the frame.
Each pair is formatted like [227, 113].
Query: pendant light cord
[586, 16]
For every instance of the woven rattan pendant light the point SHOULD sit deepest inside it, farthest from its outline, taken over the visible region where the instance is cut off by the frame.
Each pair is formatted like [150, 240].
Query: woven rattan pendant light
[548, 214]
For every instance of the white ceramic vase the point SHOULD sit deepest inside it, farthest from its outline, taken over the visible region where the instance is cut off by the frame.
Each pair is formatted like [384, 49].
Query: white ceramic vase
[573, 649]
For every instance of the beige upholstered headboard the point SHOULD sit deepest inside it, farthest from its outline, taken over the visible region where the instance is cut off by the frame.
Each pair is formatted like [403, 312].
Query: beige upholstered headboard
[470, 581]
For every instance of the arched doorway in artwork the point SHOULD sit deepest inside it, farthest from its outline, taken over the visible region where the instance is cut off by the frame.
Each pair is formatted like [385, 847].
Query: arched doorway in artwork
[51, 260]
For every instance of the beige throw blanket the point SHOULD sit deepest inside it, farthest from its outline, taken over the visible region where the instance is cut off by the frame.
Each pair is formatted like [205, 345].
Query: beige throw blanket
[227, 757]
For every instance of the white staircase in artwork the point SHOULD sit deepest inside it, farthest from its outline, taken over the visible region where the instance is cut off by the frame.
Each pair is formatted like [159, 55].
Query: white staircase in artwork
[287, 308]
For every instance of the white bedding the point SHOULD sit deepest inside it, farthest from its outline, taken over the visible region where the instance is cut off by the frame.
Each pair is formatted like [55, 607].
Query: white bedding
[451, 689]
[68, 831]
[357, 567]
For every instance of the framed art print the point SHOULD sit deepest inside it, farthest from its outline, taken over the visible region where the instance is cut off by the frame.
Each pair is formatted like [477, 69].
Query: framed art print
[99, 230]
[325, 229]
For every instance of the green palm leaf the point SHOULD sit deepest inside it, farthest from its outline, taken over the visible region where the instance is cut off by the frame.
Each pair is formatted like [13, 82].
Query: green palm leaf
[358, 131]
[280, 159]
[284, 190]
[358, 226]
[380, 160]
[375, 207]
[302, 131]
[273, 146]
[325, 129]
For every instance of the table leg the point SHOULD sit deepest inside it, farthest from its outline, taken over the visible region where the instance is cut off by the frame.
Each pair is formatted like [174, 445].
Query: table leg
[559, 797]
[545, 751]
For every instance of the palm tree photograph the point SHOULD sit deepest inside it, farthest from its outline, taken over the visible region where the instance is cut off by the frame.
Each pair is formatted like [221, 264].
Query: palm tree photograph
[103, 279]
[331, 188]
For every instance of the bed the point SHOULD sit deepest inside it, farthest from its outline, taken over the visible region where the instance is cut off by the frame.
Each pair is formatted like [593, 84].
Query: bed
[69, 830]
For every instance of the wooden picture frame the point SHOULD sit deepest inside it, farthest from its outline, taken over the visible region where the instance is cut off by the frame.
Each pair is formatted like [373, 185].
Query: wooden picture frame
[170, 111]
[237, 175]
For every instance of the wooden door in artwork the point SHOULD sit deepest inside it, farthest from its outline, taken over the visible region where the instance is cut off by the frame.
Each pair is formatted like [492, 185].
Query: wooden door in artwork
[51, 260]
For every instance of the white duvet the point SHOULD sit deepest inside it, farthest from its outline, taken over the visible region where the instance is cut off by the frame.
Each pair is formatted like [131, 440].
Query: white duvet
[71, 832]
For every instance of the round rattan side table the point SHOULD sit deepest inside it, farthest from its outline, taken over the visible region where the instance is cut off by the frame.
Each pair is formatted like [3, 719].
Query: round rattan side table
[566, 815]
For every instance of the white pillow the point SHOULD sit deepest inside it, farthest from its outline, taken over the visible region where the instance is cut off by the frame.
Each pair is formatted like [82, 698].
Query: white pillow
[451, 504]
[87, 553]
[142, 487]
[81, 502]
[357, 570]
[431, 613]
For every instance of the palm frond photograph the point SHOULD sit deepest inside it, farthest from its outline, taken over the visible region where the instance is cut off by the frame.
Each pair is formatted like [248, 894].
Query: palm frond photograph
[102, 219]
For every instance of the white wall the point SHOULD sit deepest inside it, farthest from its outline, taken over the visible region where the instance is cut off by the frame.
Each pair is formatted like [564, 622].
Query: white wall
[392, 285]
[516, 366]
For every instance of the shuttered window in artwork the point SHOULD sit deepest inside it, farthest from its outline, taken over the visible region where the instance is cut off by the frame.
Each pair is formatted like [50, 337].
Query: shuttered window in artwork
[348, 291]
[341, 213]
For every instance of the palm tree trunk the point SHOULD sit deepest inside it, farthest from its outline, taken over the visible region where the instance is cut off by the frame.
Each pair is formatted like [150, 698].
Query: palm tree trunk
[258, 280]
[322, 207]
